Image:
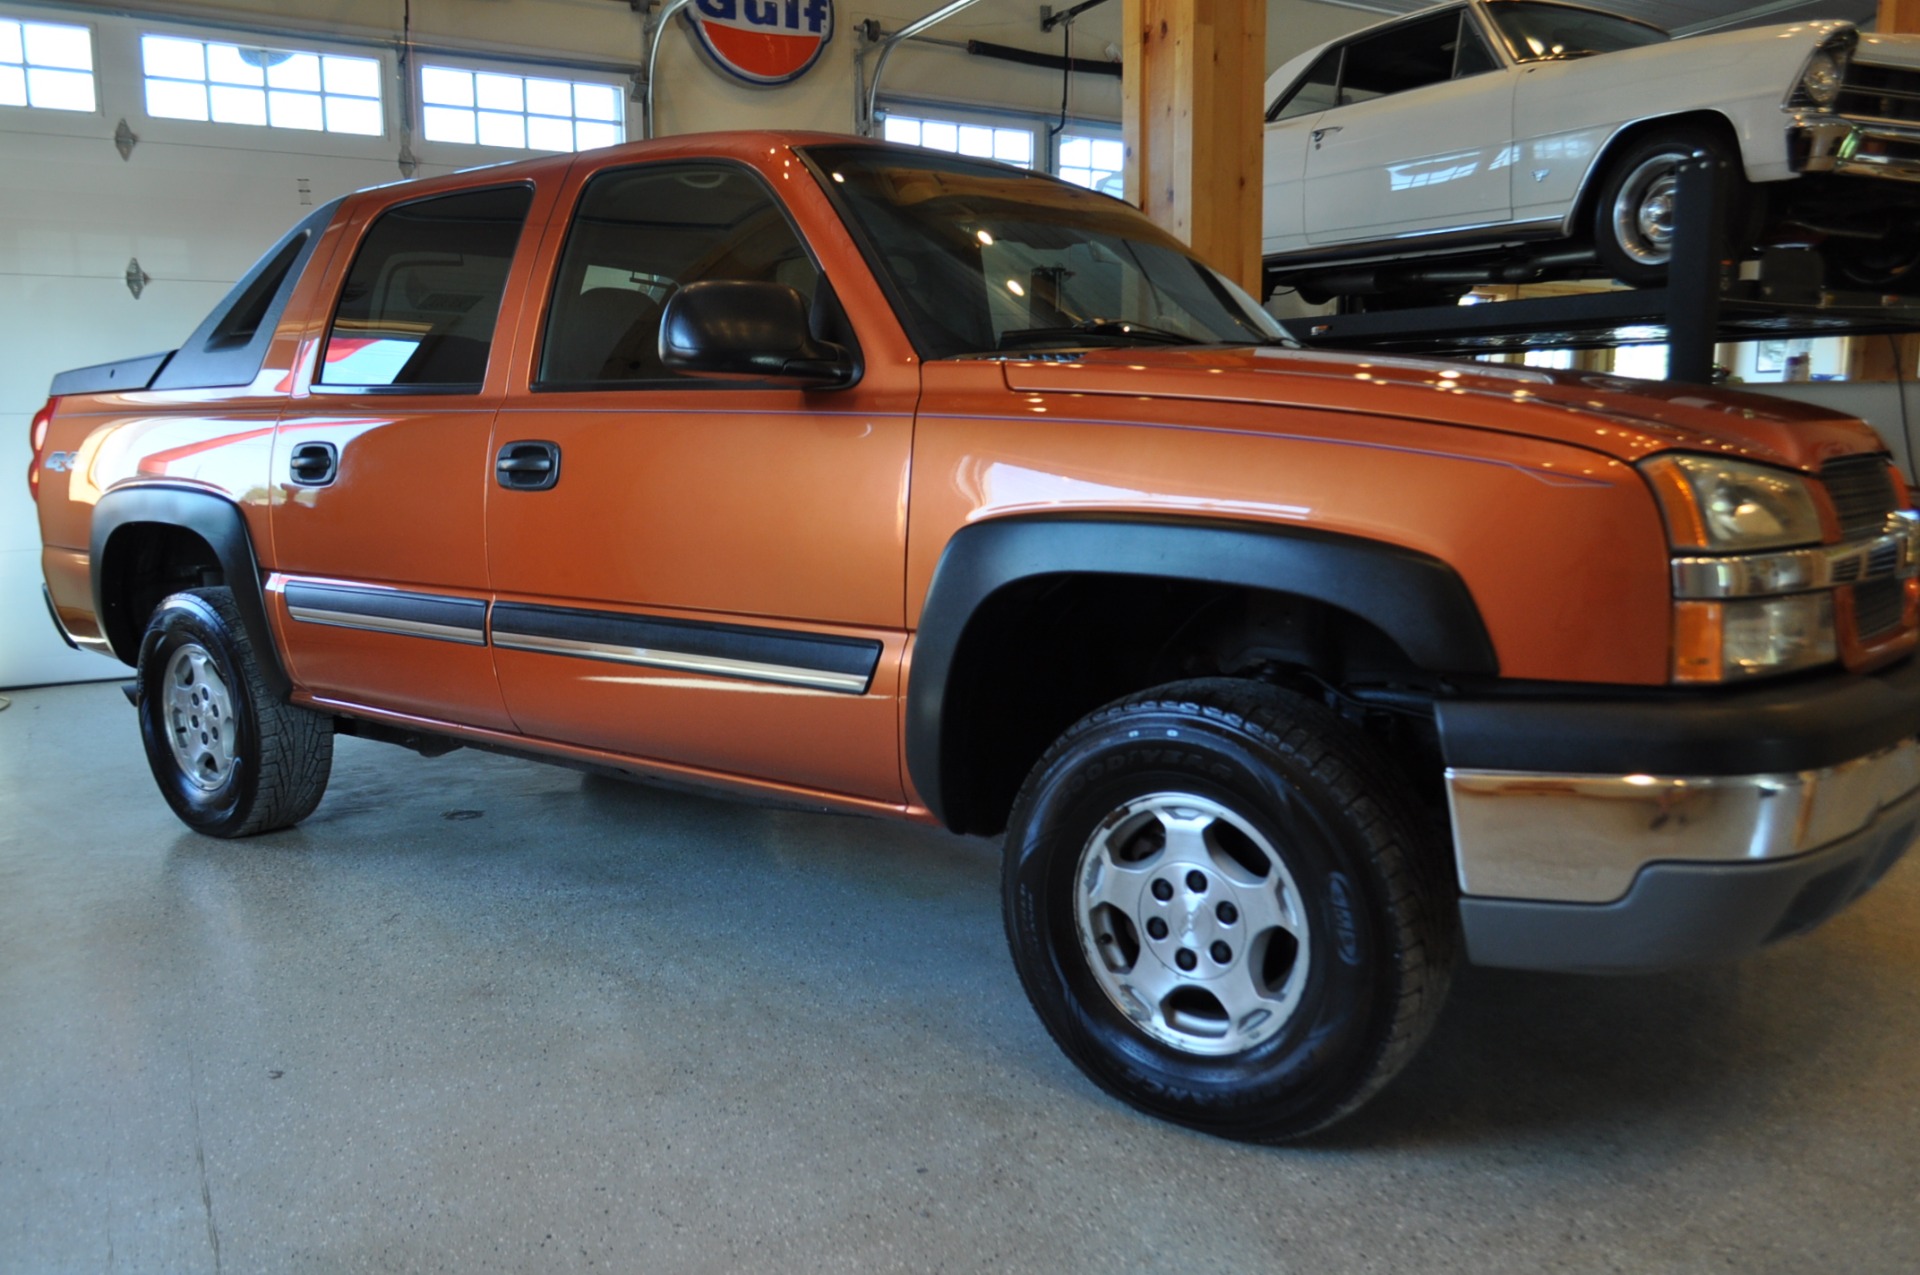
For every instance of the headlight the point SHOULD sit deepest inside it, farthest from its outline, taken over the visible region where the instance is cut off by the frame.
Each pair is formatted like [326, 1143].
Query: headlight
[1824, 75]
[1731, 506]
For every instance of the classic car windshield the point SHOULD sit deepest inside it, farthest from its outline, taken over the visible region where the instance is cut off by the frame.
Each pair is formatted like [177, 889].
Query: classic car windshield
[982, 258]
[1549, 32]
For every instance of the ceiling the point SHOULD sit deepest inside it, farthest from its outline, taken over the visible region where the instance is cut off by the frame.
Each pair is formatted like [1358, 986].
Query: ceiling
[1684, 17]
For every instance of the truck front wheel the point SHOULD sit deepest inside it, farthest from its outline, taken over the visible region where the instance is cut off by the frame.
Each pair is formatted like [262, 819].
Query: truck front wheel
[1217, 905]
[229, 758]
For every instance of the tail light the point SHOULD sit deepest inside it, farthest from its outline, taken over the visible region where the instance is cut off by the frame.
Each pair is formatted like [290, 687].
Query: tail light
[38, 440]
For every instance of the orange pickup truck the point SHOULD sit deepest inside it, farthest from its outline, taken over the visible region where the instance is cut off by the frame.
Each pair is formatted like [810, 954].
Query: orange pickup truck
[873, 478]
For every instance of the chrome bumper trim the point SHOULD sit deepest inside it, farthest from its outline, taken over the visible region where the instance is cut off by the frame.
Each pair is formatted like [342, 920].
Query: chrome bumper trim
[1584, 838]
[1833, 146]
[1895, 552]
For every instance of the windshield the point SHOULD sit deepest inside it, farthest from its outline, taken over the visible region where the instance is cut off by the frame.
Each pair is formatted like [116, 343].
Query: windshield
[1549, 32]
[981, 258]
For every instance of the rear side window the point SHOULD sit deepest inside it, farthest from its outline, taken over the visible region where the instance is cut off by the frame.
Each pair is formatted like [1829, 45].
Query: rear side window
[639, 235]
[419, 306]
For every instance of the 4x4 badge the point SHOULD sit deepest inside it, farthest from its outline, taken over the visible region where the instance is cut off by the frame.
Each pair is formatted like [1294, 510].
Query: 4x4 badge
[60, 462]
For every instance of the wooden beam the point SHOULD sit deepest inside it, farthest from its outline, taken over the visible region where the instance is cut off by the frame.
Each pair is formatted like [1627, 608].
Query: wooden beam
[1192, 81]
[1898, 17]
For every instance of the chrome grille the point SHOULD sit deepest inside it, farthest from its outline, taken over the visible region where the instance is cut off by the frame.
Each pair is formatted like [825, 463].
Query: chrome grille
[1876, 607]
[1880, 93]
[1861, 488]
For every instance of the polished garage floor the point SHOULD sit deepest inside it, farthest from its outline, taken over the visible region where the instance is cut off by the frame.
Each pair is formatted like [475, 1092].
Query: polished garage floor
[483, 1015]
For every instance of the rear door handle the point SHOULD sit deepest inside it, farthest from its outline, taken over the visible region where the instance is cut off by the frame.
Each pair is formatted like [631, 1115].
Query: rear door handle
[314, 464]
[528, 465]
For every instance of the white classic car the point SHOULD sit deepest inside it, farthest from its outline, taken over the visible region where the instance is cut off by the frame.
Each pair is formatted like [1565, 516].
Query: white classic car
[1522, 139]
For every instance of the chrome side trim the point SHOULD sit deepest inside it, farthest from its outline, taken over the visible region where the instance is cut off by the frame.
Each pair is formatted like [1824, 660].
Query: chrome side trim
[386, 624]
[1584, 838]
[714, 665]
[1894, 553]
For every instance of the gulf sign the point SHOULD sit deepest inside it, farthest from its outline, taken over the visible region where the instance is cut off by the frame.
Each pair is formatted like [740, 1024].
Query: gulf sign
[763, 41]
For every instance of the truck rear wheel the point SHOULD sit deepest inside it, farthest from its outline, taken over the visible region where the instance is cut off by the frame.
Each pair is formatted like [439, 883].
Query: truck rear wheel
[229, 758]
[1215, 900]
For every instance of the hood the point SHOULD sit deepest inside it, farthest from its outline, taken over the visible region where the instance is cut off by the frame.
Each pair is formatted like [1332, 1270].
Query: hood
[1616, 416]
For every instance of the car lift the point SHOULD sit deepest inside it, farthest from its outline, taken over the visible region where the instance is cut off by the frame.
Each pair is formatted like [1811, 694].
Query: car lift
[1702, 304]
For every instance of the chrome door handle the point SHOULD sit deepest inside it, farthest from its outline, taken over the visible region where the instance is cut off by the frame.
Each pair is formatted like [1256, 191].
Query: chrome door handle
[1319, 134]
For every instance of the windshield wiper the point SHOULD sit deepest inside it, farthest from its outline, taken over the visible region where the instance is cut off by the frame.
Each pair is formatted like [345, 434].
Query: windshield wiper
[1111, 328]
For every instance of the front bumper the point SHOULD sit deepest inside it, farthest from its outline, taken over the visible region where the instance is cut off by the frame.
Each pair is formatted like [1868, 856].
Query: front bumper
[1858, 148]
[1641, 832]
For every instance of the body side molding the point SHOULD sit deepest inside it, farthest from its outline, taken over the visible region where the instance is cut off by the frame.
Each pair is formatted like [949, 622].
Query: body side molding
[213, 518]
[1417, 601]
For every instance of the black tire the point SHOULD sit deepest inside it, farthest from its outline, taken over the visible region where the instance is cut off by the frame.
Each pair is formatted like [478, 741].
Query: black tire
[1890, 264]
[1633, 209]
[229, 758]
[1201, 773]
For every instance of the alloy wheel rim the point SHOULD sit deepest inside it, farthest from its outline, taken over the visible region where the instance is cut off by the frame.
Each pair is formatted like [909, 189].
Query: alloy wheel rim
[1191, 924]
[199, 718]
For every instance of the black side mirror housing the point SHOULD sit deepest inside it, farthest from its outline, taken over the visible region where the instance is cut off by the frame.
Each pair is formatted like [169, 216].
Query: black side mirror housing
[733, 327]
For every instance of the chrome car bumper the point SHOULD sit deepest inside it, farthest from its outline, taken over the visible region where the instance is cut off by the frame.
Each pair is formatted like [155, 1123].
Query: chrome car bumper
[1643, 831]
[1861, 148]
[1587, 838]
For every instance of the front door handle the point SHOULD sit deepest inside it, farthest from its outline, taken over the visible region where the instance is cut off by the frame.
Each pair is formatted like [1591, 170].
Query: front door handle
[1320, 134]
[314, 464]
[529, 465]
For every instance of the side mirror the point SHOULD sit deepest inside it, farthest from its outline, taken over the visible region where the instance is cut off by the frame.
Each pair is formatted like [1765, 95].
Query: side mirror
[731, 327]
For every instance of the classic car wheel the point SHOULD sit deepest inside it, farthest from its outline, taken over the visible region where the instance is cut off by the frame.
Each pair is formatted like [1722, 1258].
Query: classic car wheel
[229, 758]
[1216, 903]
[1633, 221]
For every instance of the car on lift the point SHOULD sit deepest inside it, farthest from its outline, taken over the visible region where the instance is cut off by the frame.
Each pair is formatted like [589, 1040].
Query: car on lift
[1514, 140]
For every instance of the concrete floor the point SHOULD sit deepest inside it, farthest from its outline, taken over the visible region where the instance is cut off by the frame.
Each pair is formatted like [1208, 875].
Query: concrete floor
[480, 1015]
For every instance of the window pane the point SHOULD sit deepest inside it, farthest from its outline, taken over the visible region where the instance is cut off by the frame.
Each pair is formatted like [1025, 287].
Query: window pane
[233, 105]
[1109, 155]
[975, 140]
[420, 303]
[939, 135]
[66, 48]
[175, 59]
[545, 134]
[354, 115]
[60, 90]
[172, 100]
[10, 47]
[13, 86]
[498, 129]
[227, 65]
[549, 97]
[359, 77]
[444, 87]
[500, 92]
[294, 110]
[1077, 151]
[301, 71]
[1013, 146]
[446, 124]
[641, 233]
[587, 135]
[596, 102]
[903, 130]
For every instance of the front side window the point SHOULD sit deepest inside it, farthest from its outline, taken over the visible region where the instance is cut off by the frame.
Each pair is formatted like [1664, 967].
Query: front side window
[638, 236]
[46, 65]
[1555, 32]
[518, 112]
[245, 84]
[1410, 56]
[980, 259]
[1318, 91]
[419, 306]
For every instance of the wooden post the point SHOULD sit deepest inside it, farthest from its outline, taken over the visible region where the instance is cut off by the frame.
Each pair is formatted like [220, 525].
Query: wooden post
[1898, 17]
[1192, 80]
